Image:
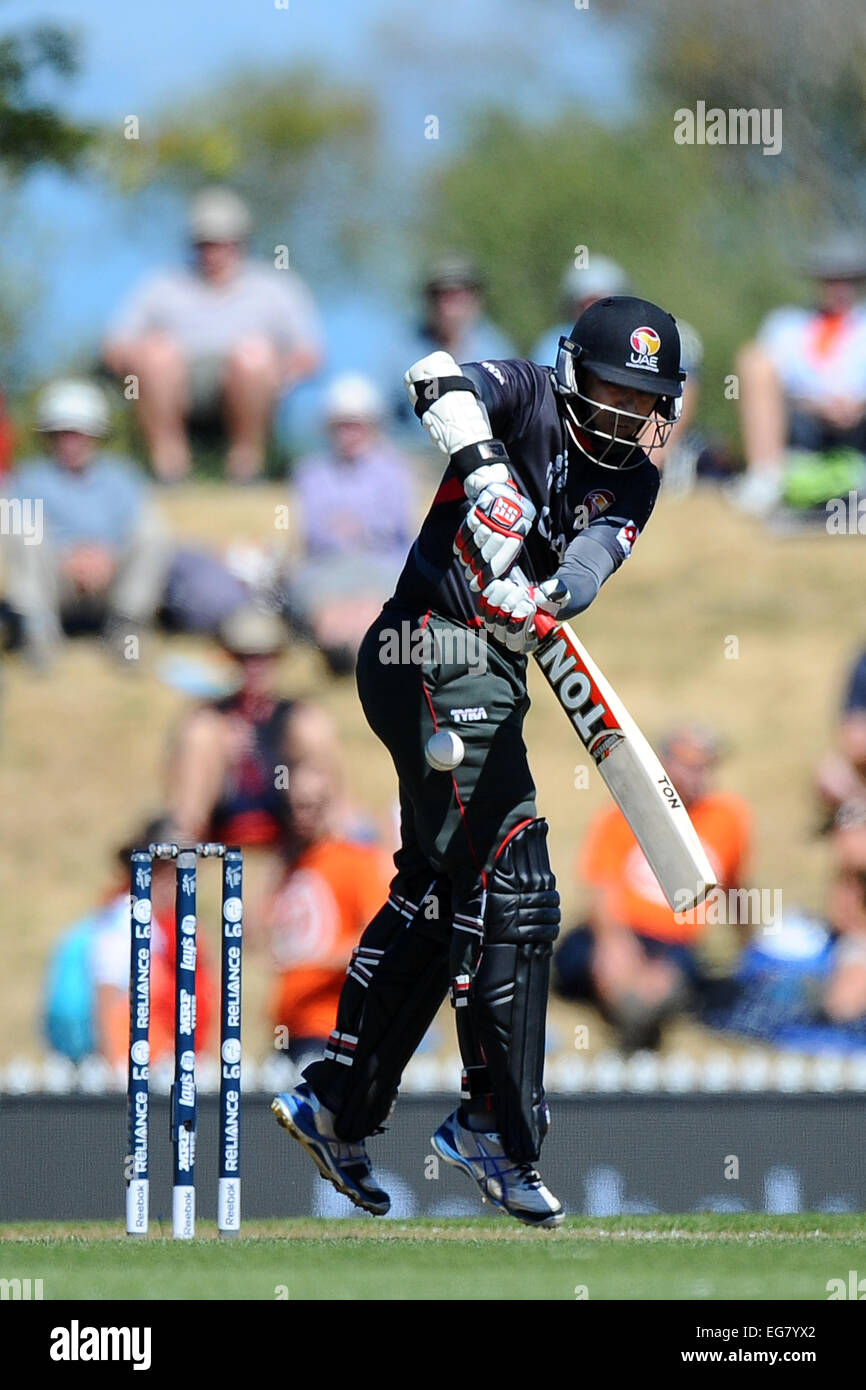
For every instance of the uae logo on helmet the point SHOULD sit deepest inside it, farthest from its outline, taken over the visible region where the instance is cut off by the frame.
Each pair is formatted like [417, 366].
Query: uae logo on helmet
[645, 343]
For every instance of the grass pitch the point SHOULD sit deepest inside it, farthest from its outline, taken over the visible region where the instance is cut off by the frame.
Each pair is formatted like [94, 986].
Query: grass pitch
[672, 1258]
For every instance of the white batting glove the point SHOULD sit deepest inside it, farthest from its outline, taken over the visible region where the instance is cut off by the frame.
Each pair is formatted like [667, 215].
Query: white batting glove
[475, 483]
[508, 608]
[492, 532]
[453, 419]
[508, 611]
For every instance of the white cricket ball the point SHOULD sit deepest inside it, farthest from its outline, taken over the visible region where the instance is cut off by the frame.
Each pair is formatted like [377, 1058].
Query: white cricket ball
[444, 750]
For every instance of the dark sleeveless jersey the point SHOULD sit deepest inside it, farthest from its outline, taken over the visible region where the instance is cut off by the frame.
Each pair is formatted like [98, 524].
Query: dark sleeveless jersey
[573, 496]
[251, 809]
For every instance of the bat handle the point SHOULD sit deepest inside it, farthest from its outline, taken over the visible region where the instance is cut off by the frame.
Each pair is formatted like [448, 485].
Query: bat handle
[544, 624]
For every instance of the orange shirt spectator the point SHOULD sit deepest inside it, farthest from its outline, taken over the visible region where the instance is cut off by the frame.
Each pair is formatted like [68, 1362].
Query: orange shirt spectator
[315, 917]
[612, 860]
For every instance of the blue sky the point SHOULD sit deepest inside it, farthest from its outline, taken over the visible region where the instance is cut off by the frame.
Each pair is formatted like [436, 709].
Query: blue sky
[141, 57]
[78, 238]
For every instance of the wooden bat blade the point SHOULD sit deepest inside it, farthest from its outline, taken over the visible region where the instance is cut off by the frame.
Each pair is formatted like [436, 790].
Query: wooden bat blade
[631, 770]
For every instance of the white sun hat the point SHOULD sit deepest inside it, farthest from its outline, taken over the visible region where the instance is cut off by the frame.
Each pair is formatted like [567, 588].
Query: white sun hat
[72, 405]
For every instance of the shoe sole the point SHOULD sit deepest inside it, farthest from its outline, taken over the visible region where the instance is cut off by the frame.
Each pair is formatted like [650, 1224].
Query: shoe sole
[547, 1223]
[284, 1118]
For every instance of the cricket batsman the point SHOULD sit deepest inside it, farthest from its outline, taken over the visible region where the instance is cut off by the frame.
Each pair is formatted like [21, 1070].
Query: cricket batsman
[549, 482]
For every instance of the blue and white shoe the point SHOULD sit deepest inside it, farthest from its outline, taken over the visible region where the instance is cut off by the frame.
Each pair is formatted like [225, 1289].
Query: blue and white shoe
[345, 1165]
[515, 1188]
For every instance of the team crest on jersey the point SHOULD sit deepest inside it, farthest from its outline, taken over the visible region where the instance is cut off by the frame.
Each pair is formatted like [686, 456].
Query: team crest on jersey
[645, 343]
[596, 502]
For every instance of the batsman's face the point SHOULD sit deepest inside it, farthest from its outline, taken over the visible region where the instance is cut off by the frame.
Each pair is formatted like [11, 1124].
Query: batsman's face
[636, 403]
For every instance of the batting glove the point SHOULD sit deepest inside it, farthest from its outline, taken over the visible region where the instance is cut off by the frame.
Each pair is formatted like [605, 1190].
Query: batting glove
[508, 608]
[492, 532]
[475, 483]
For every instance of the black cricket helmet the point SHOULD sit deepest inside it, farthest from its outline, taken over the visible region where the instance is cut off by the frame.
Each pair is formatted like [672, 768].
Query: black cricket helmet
[628, 342]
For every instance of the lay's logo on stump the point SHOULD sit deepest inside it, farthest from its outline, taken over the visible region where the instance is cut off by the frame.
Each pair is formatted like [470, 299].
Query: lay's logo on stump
[645, 343]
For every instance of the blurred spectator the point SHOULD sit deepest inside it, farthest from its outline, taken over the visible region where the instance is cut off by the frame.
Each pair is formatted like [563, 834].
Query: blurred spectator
[803, 985]
[87, 983]
[845, 995]
[330, 888]
[685, 457]
[7, 438]
[10, 638]
[353, 507]
[452, 320]
[635, 957]
[803, 391]
[10, 628]
[231, 754]
[583, 286]
[101, 556]
[777, 989]
[205, 586]
[454, 314]
[200, 592]
[219, 340]
[842, 775]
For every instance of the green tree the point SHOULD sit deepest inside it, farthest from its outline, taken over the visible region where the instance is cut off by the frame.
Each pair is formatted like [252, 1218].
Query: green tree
[804, 58]
[718, 233]
[522, 197]
[32, 131]
[298, 148]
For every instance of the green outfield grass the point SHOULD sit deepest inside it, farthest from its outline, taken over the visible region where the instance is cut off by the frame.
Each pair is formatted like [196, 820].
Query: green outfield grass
[749, 1258]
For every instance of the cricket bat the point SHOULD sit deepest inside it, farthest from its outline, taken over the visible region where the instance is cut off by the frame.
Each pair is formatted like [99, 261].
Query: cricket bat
[633, 774]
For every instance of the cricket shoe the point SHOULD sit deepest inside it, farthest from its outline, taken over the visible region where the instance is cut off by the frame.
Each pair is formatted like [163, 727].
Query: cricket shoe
[345, 1165]
[515, 1187]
